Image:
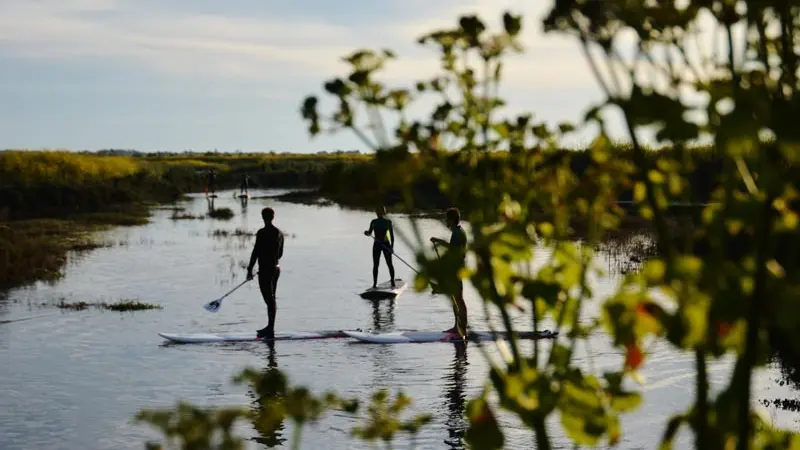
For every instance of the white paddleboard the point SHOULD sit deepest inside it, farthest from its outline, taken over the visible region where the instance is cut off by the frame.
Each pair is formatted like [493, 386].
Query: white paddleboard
[197, 338]
[384, 291]
[402, 337]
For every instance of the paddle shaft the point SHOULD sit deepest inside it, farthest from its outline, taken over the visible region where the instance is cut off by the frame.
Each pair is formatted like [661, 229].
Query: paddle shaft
[395, 254]
[237, 287]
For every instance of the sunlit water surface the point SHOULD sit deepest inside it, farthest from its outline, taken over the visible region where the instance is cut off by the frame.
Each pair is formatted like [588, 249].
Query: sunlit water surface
[74, 380]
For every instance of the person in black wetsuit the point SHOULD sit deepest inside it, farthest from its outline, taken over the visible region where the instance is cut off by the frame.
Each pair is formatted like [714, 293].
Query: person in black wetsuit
[244, 185]
[458, 242]
[384, 242]
[268, 251]
[212, 178]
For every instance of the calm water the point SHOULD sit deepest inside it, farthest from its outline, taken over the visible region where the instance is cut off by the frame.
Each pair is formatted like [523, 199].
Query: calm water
[74, 380]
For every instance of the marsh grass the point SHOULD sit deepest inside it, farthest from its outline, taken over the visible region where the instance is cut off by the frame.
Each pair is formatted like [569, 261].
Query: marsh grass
[64, 167]
[185, 216]
[221, 213]
[121, 306]
[238, 232]
[36, 249]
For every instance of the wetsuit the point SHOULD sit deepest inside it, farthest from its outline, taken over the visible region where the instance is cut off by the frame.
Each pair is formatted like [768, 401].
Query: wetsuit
[268, 251]
[384, 242]
[212, 177]
[458, 243]
[245, 184]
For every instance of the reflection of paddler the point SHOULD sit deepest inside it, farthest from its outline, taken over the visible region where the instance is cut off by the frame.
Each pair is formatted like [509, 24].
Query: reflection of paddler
[456, 398]
[269, 393]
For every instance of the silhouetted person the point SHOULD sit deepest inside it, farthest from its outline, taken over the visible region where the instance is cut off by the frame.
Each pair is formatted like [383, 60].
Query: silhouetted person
[458, 242]
[212, 182]
[244, 185]
[384, 243]
[268, 251]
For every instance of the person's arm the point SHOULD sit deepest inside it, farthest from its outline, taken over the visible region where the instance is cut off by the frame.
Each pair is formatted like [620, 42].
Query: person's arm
[280, 245]
[254, 255]
[391, 234]
[371, 225]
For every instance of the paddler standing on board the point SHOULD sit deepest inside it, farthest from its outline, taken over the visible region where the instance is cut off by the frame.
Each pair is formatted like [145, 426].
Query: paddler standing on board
[211, 186]
[268, 251]
[384, 243]
[458, 242]
[244, 185]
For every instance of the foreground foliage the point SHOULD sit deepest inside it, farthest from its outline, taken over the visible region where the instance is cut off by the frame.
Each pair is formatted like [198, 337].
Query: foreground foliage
[736, 300]
[276, 400]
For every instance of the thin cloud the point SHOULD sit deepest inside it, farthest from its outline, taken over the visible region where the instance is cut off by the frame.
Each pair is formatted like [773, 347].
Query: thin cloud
[182, 43]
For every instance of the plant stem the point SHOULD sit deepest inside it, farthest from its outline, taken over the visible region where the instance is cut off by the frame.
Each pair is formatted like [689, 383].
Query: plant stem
[702, 440]
[542, 439]
[748, 359]
[298, 431]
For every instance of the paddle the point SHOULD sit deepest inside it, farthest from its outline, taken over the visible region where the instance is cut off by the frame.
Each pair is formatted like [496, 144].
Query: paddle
[213, 306]
[433, 285]
[392, 250]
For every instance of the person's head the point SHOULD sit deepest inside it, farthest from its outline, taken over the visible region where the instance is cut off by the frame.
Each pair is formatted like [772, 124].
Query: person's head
[453, 217]
[268, 214]
[380, 211]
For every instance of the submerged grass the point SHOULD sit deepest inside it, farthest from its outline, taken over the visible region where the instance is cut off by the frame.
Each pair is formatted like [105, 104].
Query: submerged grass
[121, 306]
[238, 232]
[221, 213]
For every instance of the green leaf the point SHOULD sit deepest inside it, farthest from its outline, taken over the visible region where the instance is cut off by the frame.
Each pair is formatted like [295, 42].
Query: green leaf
[673, 426]
[483, 431]
[623, 402]
[512, 23]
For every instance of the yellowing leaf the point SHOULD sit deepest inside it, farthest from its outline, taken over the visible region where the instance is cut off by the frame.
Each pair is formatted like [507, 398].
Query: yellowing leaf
[639, 192]
[653, 271]
[655, 177]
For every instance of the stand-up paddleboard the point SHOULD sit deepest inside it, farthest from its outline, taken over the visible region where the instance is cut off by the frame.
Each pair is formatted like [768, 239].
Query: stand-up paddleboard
[385, 291]
[212, 196]
[200, 338]
[243, 196]
[403, 337]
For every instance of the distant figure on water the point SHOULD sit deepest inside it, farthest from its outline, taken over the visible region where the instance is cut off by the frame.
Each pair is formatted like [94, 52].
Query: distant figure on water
[268, 251]
[212, 182]
[384, 243]
[458, 242]
[244, 185]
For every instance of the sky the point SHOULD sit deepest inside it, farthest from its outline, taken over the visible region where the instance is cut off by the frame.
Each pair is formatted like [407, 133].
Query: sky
[175, 75]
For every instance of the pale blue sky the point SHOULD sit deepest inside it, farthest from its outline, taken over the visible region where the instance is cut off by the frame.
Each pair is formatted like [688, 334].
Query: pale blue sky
[202, 74]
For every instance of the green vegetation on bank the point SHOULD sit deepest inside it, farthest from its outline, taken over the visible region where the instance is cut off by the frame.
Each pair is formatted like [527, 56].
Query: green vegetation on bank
[36, 249]
[54, 183]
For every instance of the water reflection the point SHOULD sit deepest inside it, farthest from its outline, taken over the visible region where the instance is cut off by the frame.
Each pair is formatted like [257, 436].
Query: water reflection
[210, 201]
[382, 321]
[270, 434]
[456, 398]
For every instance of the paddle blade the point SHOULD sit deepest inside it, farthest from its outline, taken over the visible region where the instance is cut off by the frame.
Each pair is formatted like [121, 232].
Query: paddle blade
[213, 306]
